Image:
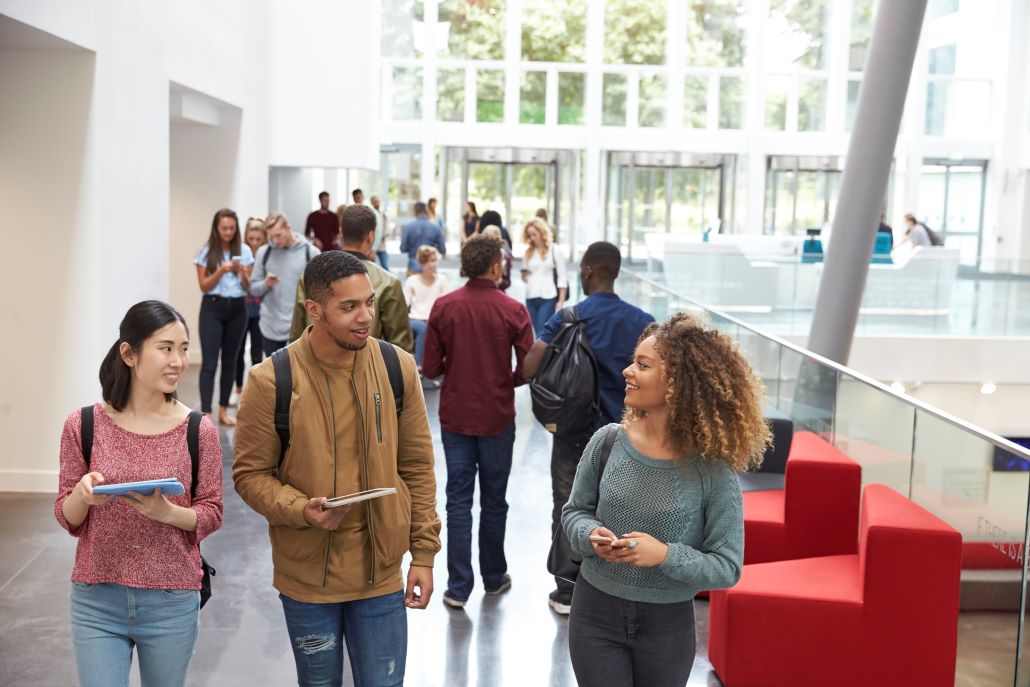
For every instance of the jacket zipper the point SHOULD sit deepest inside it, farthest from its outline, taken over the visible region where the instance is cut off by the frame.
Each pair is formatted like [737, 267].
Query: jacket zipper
[364, 475]
[379, 420]
[332, 413]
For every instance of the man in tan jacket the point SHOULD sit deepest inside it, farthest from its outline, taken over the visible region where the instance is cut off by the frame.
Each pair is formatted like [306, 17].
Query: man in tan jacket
[358, 227]
[340, 568]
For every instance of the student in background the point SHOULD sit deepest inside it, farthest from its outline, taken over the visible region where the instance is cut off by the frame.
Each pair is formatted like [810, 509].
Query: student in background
[431, 211]
[470, 221]
[421, 232]
[669, 522]
[504, 283]
[223, 272]
[421, 291]
[379, 245]
[492, 218]
[322, 227]
[255, 236]
[543, 270]
[136, 580]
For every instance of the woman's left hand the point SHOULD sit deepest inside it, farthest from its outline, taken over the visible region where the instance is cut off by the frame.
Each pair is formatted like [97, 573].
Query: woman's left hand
[155, 506]
[639, 549]
[559, 305]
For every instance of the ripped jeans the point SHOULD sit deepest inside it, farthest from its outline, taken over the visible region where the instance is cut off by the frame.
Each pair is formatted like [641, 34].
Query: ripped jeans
[375, 631]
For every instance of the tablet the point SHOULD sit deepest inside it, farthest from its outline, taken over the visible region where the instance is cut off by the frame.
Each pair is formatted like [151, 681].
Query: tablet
[169, 487]
[360, 496]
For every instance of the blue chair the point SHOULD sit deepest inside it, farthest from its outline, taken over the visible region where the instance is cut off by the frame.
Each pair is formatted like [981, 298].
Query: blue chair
[882, 249]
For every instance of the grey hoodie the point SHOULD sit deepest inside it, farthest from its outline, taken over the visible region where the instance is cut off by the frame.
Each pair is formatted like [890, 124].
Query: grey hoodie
[277, 305]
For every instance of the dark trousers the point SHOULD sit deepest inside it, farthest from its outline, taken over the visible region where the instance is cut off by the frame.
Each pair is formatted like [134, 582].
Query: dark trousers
[619, 643]
[540, 310]
[491, 458]
[270, 346]
[565, 455]
[222, 324]
[254, 329]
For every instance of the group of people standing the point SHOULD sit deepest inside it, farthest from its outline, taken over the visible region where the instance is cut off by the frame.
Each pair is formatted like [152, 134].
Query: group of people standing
[341, 410]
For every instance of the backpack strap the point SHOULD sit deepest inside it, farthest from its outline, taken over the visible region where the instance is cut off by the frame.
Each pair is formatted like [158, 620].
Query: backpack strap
[393, 371]
[307, 252]
[86, 430]
[283, 397]
[569, 315]
[193, 442]
[606, 450]
[268, 254]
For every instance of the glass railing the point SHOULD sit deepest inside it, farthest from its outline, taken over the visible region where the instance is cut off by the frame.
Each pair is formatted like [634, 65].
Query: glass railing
[926, 292]
[972, 479]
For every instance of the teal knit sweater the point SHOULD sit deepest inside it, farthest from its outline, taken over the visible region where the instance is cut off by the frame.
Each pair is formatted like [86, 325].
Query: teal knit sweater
[691, 504]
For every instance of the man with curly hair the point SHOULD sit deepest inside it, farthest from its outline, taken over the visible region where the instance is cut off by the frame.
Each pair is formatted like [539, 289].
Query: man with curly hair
[469, 339]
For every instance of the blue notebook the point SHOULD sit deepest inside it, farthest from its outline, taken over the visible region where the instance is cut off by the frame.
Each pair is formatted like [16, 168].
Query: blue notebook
[169, 487]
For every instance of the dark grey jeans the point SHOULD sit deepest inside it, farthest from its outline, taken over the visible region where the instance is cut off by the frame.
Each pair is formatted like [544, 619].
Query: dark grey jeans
[619, 643]
[565, 455]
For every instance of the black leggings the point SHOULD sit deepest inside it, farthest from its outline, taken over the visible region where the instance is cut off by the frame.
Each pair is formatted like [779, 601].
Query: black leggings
[619, 643]
[222, 325]
[254, 330]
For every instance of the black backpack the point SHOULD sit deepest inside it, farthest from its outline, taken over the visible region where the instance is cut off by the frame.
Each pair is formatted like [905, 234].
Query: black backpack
[284, 389]
[193, 442]
[935, 238]
[566, 390]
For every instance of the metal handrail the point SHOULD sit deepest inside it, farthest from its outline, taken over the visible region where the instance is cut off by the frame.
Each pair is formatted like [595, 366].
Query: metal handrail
[984, 434]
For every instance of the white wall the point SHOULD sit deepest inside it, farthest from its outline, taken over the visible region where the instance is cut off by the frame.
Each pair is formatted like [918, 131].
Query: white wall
[290, 192]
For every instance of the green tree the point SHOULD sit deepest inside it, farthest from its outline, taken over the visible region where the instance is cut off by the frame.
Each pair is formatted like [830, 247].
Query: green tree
[634, 32]
[397, 35]
[716, 31]
[554, 31]
[806, 25]
[477, 28]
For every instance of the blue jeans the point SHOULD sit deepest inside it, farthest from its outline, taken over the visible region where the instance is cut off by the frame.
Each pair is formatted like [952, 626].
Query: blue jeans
[108, 620]
[418, 330]
[384, 259]
[540, 310]
[375, 630]
[491, 456]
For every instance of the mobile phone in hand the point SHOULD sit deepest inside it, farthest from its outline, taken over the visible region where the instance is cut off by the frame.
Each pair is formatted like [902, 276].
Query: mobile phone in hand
[601, 539]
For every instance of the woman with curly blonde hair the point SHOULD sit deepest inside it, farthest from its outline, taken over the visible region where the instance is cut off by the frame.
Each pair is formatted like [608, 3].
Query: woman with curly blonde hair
[543, 270]
[664, 520]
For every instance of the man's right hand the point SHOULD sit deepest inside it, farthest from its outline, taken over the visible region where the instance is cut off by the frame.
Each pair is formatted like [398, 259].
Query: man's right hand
[326, 519]
[271, 280]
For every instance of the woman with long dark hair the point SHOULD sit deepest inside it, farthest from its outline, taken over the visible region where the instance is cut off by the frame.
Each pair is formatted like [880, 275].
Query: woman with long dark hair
[470, 219]
[223, 272]
[664, 519]
[137, 571]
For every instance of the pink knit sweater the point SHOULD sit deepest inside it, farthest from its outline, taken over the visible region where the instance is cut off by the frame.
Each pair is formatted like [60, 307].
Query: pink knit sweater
[119, 545]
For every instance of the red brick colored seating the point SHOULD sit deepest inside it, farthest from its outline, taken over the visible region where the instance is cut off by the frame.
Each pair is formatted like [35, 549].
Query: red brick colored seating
[885, 616]
[815, 514]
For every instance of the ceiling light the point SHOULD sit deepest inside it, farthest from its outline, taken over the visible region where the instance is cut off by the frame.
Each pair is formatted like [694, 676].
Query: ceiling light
[988, 388]
[898, 387]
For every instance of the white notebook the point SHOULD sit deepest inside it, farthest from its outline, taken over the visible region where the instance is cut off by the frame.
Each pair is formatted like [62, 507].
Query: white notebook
[360, 496]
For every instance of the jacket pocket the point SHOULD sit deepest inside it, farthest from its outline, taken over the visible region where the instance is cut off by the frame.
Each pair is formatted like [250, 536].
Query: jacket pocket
[393, 524]
[300, 545]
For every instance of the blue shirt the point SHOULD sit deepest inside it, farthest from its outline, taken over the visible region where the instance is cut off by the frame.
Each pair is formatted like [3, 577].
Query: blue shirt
[229, 285]
[613, 328]
[417, 233]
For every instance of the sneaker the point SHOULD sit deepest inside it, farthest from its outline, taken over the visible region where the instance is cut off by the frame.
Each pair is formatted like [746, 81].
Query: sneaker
[234, 398]
[502, 588]
[560, 602]
[452, 602]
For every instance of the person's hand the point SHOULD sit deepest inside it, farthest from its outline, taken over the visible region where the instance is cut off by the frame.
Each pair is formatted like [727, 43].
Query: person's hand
[84, 489]
[226, 266]
[324, 518]
[271, 280]
[603, 549]
[525, 275]
[639, 549]
[155, 506]
[559, 305]
[422, 578]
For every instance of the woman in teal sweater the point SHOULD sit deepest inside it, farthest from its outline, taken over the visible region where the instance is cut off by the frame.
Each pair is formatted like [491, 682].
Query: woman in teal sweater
[669, 520]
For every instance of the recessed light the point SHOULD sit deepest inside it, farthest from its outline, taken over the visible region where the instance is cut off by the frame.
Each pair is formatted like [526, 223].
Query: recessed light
[988, 388]
[898, 387]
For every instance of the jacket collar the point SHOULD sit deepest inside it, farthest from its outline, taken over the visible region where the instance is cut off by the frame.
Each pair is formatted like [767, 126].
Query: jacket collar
[307, 355]
[480, 284]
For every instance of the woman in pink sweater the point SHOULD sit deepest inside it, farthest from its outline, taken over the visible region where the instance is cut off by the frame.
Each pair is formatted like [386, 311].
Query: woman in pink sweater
[137, 570]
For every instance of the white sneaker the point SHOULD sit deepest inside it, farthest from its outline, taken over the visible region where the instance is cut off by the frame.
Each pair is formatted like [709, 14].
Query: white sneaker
[234, 398]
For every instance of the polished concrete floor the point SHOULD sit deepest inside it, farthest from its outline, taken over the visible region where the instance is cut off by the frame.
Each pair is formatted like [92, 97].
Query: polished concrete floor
[514, 639]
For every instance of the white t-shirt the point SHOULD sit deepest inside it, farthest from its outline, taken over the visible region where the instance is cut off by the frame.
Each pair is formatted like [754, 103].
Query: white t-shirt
[421, 296]
[541, 273]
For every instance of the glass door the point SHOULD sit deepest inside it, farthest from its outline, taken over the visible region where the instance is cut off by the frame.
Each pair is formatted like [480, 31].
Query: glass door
[951, 194]
[801, 193]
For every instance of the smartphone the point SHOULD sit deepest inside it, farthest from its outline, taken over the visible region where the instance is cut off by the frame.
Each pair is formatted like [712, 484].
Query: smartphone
[601, 539]
[237, 258]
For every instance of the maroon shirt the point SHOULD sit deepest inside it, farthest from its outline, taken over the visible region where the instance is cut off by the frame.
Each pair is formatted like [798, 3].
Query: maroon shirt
[469, 338]
[324, 226]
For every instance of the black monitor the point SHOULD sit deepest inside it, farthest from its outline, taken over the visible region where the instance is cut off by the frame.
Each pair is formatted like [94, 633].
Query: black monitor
[1007, 462]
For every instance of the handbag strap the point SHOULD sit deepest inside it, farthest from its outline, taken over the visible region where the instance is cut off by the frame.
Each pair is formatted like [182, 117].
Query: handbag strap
[606, 450]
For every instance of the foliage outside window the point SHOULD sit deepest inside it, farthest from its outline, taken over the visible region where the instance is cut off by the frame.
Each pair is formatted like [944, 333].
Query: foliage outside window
[776, 102]
[407, 93]
[450, 92]
[651, 105]
[634, 32]
[399, 19]
[797, 34]
[489, 95]
[812, 105]
[716, 33]
[571, 90]
[852, 106]
[476, 28]
[731, 102]
[554, 31]
[613, 100]
[862, 13]
[533, 98]
[695, 102]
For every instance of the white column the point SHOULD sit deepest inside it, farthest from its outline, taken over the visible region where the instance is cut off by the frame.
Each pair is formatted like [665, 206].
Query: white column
[593, 205]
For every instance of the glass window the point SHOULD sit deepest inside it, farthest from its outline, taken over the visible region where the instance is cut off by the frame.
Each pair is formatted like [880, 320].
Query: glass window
[965, 196]
[486, 187]
[852, 107]
[731, 102]
[695, 199]
[407, 93]
[571, 89]
[450, 92]
[402, 22]
[489, 95]
[476, 28]
[716, 33]
[634, 32]
[951, 202]
[812, 105]
[528, 192]
[776, 88]
[942, 59]
[939, 8]
[796, 34]
[554, 31]
[862, 13]
[936, 107]
[613, 100]
[533, 98]
[651, 107]
[695, 102]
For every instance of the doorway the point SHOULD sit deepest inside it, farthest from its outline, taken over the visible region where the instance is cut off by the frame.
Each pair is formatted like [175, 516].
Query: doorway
[800, 193]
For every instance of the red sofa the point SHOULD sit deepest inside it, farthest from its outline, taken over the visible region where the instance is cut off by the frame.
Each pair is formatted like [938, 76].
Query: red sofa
[815, 514]
[887, 615]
